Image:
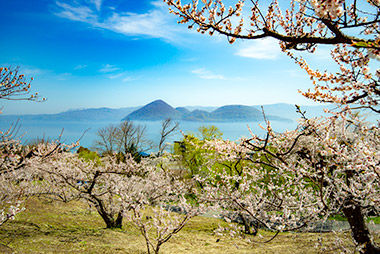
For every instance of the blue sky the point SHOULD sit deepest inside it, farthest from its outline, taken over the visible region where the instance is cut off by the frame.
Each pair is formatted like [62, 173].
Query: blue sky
[121, 53]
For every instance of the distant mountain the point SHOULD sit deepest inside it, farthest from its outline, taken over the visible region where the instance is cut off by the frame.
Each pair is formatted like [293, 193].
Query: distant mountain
[156, 110]
[183, 110]
[236, 113]
[160, 110]
[96, 114]
[240, 113]
[92, 114]
[197, 115]
[204, 108]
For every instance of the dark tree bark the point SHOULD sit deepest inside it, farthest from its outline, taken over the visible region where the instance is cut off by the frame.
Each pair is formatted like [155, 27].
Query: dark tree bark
[168, 128]
[359, 229]
[109, 218]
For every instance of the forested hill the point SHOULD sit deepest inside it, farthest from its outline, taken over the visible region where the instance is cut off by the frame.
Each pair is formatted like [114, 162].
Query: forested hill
[160, 110]
[156, 110]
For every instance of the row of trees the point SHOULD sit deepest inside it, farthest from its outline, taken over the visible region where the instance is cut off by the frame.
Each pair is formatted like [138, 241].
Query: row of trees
[13, 86]
[118, 185]
[326, 166]
[280, 186]
[137, 191]
[130, 138]
[141, 192]
[283, 181]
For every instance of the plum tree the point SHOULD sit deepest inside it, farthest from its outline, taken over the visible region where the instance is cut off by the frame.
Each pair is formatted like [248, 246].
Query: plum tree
[324, 166]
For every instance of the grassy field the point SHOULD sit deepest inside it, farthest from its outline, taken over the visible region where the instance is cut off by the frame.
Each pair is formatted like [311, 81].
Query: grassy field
[53, 227]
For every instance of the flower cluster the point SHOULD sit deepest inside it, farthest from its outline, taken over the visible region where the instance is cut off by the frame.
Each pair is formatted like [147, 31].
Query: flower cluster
[299, 178]
[117, 189]
[330, 9]
[356, 84]
[352, 26]
[13, 86]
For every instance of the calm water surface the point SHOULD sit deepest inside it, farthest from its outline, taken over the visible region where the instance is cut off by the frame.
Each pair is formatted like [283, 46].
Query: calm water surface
[73, 130]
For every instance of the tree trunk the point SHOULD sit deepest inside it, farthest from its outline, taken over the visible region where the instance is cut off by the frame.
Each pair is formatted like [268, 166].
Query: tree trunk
[119, 220]
[249, 228]
[359, 229]
[111, 222]
[107, 217]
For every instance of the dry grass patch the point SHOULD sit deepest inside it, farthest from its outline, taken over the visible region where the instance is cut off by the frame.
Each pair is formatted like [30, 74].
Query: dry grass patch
[54, 227]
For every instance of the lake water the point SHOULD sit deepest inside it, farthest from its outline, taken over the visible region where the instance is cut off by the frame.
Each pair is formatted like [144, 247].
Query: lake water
[73, 130]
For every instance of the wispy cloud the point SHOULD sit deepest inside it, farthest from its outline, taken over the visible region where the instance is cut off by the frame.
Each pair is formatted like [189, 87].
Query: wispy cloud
[128, 79]
[206, 74]
[261, 49]
[97, 3]
[76, 13]
[38, 73]
[29, 70]
[157, 22]
[108, 68]
[115, 76]
[80, 66]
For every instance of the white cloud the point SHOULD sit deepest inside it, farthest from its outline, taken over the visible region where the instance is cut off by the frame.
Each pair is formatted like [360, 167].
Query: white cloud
[156, 23]
[115, 76]
[261, 49]
[38, 73]
[206, 74]
[80, 66]
[108, 68]
[76, 13]
[97, 3]
[32, 70]
[128, 79]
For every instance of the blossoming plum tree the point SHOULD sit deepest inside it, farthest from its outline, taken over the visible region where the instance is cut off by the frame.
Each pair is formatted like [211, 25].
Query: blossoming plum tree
[17, 170]
[14, 86]
[118, 189]
[11, 195]
[66, 176]
[325, 166]
[352, 26]
[157, 205]
[298, 178]
[13, 189]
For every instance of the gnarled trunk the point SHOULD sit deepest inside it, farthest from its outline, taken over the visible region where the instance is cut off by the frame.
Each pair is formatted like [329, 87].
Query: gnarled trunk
[111, 222]
[107, 217]
[359, 229]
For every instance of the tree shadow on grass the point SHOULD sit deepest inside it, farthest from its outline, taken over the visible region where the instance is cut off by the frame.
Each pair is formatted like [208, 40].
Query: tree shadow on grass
[26, 230]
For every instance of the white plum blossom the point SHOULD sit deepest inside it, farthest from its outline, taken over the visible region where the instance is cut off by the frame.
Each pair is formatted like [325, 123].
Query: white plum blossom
[295, 179]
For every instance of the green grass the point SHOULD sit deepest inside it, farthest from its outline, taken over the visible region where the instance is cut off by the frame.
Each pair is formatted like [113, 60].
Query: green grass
[339, 217]
[72, 228]
[376, 220]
